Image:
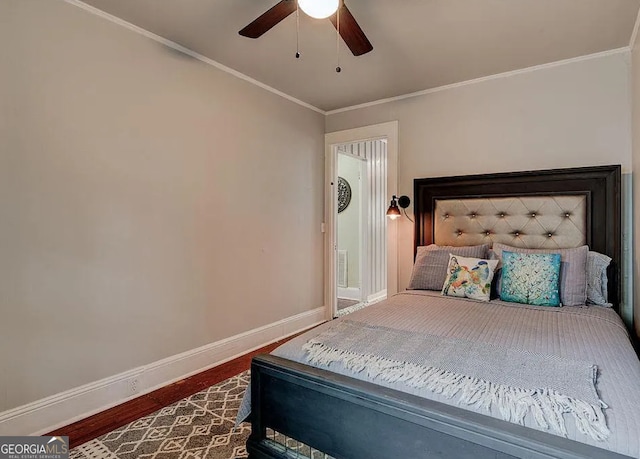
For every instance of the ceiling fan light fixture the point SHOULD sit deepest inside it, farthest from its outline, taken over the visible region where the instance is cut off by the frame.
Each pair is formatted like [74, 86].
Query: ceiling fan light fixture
[319, 9]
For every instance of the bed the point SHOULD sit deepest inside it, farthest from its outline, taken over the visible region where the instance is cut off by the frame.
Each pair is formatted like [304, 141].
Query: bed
[335, 407]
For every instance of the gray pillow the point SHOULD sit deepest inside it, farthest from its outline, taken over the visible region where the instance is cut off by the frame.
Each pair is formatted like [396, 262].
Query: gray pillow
[573, 271]
[430, 267]
[597, 288]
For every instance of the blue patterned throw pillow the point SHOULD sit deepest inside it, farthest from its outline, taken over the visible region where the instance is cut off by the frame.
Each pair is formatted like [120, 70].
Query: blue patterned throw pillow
[531, 278]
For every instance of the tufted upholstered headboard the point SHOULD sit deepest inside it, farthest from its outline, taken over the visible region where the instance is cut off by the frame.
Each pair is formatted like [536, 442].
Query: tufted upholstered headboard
[534, 222]
[557, 208]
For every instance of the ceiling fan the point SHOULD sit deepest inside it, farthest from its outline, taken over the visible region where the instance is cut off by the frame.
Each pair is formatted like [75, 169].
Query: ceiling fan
[349, 29]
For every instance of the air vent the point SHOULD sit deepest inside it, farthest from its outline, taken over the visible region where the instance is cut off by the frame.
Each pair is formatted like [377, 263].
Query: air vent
[342, 268]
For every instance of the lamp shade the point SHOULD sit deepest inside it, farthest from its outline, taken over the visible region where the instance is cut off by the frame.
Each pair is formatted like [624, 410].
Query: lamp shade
[393, 212]
[319, 9]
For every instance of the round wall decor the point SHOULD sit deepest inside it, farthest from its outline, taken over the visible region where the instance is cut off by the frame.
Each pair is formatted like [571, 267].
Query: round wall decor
[344, 194]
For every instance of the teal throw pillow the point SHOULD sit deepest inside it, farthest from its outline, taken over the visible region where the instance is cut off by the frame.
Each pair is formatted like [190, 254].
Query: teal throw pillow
[531, 278]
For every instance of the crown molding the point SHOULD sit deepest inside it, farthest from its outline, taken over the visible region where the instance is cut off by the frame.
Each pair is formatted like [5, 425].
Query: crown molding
[242, 76]
[189, 52]
[482, 79]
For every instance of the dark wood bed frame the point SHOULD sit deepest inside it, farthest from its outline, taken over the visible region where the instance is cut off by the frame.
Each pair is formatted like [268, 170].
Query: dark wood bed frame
[352, 419]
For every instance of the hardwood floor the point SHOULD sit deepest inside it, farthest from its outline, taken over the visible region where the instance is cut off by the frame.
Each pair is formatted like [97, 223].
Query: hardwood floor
[344, 303]
[99, 424]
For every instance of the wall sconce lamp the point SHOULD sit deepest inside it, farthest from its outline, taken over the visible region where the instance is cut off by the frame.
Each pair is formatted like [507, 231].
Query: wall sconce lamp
[394, 211]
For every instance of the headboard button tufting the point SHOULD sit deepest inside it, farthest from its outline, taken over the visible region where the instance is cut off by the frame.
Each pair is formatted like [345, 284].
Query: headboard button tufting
[523, 220]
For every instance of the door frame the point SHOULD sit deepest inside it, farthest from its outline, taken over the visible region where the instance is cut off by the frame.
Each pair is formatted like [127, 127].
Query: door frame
[387, 131]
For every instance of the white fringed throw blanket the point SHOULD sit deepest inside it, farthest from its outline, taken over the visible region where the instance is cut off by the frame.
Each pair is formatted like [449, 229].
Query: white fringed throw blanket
[513, 381]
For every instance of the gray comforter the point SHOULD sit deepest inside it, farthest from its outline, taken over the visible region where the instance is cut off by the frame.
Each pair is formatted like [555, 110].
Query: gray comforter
[590, 334]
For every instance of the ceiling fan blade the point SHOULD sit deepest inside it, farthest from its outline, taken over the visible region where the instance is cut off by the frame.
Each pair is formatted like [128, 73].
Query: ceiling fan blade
[351, 32]
[266, 21]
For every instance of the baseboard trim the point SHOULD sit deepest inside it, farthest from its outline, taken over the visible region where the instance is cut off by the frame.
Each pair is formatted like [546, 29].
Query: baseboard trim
[62, 409]
[349, 293]
[379, 296]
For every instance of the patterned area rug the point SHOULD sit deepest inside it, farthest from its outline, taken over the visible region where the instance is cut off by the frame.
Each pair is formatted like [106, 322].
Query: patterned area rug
[200, 426]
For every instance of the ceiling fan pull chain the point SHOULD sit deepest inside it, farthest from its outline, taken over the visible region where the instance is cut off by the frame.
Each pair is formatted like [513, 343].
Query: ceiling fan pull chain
[297, 30]
[338, 69]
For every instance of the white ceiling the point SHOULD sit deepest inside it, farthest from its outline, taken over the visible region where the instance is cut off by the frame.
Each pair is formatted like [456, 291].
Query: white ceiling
[418, 44]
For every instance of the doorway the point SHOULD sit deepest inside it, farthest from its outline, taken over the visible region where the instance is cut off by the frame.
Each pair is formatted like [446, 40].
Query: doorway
[352, 228]
[361, 252]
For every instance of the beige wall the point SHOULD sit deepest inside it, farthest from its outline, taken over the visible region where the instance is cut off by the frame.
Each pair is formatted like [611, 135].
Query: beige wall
[150, 203]
[635, 70]
[570, 115]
